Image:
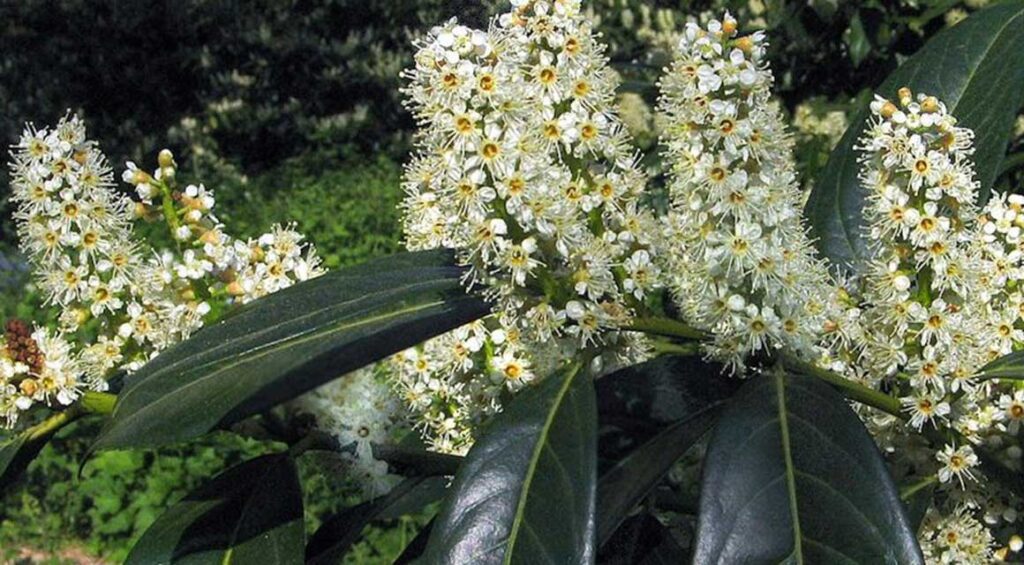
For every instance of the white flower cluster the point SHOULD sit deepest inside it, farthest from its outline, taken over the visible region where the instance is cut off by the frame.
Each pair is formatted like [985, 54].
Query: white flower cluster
[359, 410]
[246, 269]
[956, 539]
[38, 367]
[740, 262]
[923, 318]
[941, 297]
[77, 232]
[524, 166]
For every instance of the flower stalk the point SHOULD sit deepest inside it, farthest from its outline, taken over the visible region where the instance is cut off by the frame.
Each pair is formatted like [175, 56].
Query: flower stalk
[852, 390]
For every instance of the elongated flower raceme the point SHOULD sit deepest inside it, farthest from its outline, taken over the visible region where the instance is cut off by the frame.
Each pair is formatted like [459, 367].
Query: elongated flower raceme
[738, 257]
[924, 319]
[940, 298]
[524, 167]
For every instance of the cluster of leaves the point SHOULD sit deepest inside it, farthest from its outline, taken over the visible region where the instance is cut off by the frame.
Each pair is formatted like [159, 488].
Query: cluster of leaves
[790, 472]
[119, 494]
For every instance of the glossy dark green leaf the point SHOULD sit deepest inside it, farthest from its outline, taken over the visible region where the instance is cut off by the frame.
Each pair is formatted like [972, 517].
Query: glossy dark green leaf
[414, 550]
[681, 396]
[792, 475]
[661, 391]
[17, 452]
[856, 39]
[975, 67]
[287, 343]
[917, 506]
[1006, 367]
[14, 458]
[337, 534]
[251, 513]
[526, 491]
[642, 540]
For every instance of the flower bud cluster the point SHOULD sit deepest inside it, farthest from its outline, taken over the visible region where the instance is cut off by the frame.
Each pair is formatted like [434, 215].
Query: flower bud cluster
[524, 166]
[739, 260]
[243, 269]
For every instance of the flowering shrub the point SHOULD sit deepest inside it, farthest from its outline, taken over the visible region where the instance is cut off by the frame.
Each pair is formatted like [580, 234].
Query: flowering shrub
[553, 342]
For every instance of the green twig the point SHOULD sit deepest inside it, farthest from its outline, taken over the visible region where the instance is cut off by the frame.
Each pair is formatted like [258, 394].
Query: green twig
[426, 463]
[852, 390]
[688, 349]
[913, 489]
[665, 327]
[90, 403]
[422, 462]
[98, 402]
[45, 429]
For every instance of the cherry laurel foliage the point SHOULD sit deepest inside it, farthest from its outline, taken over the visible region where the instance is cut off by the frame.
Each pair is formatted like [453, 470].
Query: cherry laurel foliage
[294, 341]
[539, 454]
[790, 473]
[251, 513]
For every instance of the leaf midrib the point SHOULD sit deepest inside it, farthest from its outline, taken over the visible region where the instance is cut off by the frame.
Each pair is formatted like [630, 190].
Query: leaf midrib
[249, 337]
[780, 389]
[531, 469]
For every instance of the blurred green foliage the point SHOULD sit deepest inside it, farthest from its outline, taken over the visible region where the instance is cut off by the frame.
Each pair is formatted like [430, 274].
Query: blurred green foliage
[117, 496]
[291, 111]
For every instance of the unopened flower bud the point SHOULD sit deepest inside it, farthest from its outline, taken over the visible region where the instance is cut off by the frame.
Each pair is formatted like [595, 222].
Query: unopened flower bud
[211, 237]
[235, 289]
[905, 95]
[81, 315]
[888, 109]
[165, 159]
[141, 177]
[29, 387]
